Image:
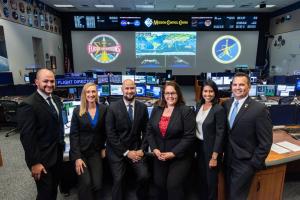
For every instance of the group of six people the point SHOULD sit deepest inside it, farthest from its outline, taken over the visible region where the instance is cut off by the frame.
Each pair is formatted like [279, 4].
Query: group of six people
[236, 135]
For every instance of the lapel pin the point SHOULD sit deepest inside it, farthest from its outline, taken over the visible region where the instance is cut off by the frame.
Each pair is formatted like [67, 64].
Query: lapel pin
[246, 105]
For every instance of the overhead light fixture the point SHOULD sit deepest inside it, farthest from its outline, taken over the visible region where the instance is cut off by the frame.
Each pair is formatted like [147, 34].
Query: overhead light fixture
[184, 6]
[265, 6]
[104, 6]
[225, 6]
[145, 6]
[63, 5]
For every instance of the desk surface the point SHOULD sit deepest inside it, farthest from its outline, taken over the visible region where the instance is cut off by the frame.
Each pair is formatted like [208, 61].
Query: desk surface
[275, 158]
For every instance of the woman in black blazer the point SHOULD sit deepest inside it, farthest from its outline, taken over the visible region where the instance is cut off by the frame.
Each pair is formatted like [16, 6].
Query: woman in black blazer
[87, 138]
[171, 134]
[210, 132]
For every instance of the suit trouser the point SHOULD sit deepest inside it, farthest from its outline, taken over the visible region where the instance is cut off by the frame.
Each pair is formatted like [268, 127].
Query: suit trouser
[208, 177]
[239, 175]
[48, 183]
[118, 170]
[169, 177]
[90, 182]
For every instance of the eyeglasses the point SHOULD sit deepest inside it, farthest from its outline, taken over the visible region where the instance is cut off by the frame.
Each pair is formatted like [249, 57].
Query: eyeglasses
[170, 93]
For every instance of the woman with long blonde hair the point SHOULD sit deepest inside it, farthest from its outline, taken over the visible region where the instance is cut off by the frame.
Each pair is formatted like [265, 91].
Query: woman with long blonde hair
[87, 138]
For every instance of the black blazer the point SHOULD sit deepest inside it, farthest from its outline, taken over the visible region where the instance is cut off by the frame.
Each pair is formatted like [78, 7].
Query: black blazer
[83, 136]
[214, 127]
[180, 132]
[41, 132]
[251, 134]
[122, 135]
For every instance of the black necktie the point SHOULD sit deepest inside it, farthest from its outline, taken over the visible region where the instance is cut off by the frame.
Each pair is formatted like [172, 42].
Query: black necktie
[53, 110]
[130, 112]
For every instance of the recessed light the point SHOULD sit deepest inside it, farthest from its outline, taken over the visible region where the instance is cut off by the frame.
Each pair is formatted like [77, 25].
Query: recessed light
[63, 5]
[185, 6]
[267, 6]
[147, 6]
[104, 6]
[225, 6]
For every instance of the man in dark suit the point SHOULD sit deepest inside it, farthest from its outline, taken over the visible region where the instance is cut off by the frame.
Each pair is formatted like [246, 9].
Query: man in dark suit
[249, 138]
[42, 137]
[126, 123]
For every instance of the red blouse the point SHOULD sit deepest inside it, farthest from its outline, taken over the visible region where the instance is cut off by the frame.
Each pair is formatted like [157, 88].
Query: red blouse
[163, 125]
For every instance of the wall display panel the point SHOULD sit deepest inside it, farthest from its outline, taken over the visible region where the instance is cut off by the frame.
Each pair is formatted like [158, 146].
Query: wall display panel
[188, 53]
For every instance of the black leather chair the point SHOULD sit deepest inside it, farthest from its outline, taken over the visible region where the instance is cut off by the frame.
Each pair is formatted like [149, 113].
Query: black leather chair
[8, 115]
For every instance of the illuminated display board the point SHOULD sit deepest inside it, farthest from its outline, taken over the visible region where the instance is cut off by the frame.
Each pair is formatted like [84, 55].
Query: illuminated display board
[165, 22]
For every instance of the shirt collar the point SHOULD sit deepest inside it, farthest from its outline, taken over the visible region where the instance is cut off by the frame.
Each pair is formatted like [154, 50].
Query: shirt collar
[241, 101]
[45, 96]
[127, 102]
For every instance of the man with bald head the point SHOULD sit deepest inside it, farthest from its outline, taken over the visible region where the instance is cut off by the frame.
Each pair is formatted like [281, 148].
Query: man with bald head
[41, 134]
[126, 122]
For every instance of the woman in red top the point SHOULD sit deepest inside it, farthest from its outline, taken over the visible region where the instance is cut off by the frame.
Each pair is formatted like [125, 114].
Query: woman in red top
[171, 134]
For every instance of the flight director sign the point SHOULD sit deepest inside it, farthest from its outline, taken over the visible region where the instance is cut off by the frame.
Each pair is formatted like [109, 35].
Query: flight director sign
[73, 82]
[150, 22]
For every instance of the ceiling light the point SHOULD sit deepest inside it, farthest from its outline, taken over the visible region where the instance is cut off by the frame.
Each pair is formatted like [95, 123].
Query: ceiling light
[104, 6]
[63, 6]
[149, 6]
[185, 6]
[225, 6]
[266, 6]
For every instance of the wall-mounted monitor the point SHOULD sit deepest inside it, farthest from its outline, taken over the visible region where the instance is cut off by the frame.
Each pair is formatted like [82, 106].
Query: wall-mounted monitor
[115, 79]
[102, 79]
[153, 91]
[218, 80]
[140, 90]
[253, 91]
[298, 85]
[285, 90]
[151, 80]
[266, 90]
[227, 80]
[26, 79]
[140, 79]
[103, 90]
[116, 90]
[125, 77]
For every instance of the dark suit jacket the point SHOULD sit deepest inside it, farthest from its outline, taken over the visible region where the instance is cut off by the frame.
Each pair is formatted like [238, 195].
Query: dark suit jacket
[214, 127]
[42, 133]
[83, 136]
[251, 134]
[180, 132]
[122, 135]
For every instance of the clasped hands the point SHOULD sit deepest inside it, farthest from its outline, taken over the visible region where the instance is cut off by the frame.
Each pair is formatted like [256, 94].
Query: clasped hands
[135, 156]
[163, 156]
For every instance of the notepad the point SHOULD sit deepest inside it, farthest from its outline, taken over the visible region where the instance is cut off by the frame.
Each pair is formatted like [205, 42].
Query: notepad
[278, 149]
[290, 146]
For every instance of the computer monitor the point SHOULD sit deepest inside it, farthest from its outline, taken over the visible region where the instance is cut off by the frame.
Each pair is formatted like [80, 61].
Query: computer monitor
[140, 90]
[266, 90]
[298, 85]
[253, 91]
[116, 90]
[6, 78]
[253, 79]
[153, 91]
[26, 79]
[117, 79]
[125, 77]
[227, 80]
[218, 80]
[102, 79]
[103, 90]
[72, 91]
[285, 90]
[151, 80]
[139, 79]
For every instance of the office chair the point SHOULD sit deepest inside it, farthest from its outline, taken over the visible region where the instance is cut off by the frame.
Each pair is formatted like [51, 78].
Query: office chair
[8, 115]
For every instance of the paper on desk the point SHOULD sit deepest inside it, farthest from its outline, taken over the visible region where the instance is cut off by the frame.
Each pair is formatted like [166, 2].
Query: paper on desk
[288, 145]
[278, 149]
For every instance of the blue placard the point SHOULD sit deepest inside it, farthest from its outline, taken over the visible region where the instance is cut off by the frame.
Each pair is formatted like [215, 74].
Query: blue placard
[67, 82]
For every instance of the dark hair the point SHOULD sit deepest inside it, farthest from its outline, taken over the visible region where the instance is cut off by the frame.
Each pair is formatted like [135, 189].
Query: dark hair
[214, 86]
[242, 74]
[180, 100]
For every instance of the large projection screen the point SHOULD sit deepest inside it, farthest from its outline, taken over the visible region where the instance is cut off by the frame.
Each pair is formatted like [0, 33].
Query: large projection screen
[185, 53]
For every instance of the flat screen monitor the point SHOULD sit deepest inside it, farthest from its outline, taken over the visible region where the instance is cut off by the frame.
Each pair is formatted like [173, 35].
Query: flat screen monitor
[125, 77]
[103, 90]
[72, 90]
[140, 90]
[253, 91]
[218, 80]
[115, 79]
[26, 79]
[6, 78]
[285, 90]
[298, 85]
[266, 90]
[227, 80]
[153, 91]
[102, 79]
[140, 79]
[152, 80]
[253, 79]
[116, 90]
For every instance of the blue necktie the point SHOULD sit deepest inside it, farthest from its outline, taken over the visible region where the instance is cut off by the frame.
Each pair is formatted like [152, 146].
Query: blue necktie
[53, 110]
[233, 113]
[130, 112]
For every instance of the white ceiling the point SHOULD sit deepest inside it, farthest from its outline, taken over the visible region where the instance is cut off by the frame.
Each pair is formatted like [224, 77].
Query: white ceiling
[168, 5]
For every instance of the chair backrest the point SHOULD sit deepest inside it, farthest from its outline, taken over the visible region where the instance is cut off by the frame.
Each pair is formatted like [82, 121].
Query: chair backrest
[9, 110]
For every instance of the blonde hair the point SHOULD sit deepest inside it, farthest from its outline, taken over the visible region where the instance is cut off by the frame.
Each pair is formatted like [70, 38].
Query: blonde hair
[83, 104]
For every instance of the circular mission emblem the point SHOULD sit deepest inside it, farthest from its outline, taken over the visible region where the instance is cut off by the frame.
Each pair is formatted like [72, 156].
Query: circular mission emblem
[104, 48]
[226, 49]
